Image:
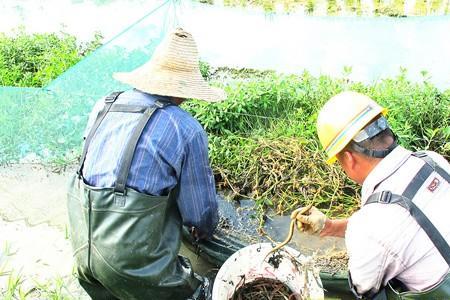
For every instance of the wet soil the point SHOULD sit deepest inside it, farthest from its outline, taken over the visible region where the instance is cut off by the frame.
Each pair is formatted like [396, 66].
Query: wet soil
[332, 262]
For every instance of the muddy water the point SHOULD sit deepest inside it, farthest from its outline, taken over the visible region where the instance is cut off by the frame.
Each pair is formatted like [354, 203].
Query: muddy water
[239, 220]
[278, 228]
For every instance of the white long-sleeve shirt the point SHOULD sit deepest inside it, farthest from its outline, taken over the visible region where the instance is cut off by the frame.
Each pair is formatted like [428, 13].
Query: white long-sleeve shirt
[384, 241]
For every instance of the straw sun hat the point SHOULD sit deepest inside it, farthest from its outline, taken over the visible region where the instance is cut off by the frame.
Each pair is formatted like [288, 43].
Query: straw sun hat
[173, 71]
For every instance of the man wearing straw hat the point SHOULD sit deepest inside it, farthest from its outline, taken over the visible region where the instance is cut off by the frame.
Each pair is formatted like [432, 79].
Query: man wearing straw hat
[398, 242]
[144, 173]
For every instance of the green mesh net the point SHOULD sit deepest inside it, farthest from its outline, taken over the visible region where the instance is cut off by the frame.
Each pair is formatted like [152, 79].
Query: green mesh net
[47, 123]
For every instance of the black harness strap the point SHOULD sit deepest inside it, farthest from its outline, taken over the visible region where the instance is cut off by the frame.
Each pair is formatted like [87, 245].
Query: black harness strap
[109, 101]
[405, 200]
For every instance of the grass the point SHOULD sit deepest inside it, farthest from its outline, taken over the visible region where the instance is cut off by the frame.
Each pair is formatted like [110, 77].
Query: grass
[20, 287]
[281, 173]
[33, 60]
[263, 143]
[16, 289]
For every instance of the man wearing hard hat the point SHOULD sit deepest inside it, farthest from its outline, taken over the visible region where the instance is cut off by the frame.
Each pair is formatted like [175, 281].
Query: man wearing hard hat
[398, 242]
[144, 173]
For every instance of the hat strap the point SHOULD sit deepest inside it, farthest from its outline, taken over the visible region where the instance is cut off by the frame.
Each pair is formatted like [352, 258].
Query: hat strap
[373, 152]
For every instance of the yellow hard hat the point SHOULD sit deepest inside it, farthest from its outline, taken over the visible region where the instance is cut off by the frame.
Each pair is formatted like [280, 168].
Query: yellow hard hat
[342, 117]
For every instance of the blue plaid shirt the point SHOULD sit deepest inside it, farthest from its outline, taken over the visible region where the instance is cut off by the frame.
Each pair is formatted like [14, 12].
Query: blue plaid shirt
[172, 147]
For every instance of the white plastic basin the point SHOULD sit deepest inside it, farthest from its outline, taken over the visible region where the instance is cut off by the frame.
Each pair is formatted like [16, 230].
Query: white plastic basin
[246, 265]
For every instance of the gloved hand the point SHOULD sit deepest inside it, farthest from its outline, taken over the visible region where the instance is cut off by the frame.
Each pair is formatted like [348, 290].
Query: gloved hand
[309, 220]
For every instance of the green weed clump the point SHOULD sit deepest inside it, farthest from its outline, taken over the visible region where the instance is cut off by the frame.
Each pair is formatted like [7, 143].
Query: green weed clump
[33, 60]
[418, 113]
[280, 173]
[16, 289]
[263, 142]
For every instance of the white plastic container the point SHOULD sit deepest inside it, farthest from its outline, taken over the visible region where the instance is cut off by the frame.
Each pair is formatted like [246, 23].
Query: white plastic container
[291, 268]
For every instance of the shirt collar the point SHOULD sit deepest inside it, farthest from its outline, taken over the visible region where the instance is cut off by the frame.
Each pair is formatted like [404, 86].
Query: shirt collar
[385, 168]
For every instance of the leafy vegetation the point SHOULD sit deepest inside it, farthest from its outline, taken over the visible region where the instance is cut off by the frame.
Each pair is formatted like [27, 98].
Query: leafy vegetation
[263, 142]
[264, 146]
[16, 289]
[33, 60]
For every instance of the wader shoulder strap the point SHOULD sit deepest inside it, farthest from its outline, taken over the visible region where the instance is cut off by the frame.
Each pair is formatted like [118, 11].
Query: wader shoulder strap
[435, 236]
[405, 200]
[128, 155]
[128, 108]
[109, 101]
[433, 164]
